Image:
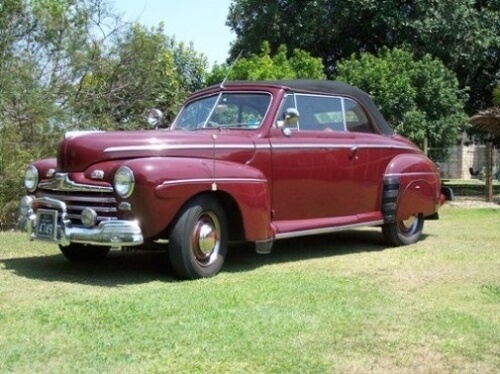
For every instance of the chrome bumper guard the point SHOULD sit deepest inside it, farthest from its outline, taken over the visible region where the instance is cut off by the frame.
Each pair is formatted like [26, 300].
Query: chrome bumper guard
[114, 233]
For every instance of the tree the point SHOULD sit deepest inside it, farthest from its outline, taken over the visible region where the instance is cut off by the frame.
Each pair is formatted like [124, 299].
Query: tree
[463, 34]
[421, 99]
[46, 45]
[72, 64]
[143, 69]
[264, 66]
[191, 66]
[43, 47]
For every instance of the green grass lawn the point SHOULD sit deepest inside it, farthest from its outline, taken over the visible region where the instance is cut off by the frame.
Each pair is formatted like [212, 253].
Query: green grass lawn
[341, 303]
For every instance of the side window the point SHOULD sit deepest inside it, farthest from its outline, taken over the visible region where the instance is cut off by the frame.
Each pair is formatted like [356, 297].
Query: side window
[320, 113]
[327, 113]
[356, 119]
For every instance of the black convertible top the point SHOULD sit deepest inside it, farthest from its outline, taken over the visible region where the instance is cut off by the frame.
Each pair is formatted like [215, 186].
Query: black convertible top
[323, 86]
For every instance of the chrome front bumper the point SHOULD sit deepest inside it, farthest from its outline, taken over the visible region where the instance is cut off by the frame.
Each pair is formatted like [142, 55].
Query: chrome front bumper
[113, 233]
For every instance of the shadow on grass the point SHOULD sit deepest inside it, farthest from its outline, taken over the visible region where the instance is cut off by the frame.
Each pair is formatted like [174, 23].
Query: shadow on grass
[117, 269]
[342, 243]
[122, 268]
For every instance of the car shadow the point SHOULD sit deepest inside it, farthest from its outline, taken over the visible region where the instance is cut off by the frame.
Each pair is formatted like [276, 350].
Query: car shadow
[117, 269]
[137, 267]
[244, 258]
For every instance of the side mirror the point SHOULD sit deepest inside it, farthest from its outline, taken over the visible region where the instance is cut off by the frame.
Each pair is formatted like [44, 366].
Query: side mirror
[291, 117]
[155, 118]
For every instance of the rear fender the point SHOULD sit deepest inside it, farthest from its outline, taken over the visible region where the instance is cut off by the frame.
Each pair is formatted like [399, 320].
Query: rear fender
[419, 185]
[418, 197]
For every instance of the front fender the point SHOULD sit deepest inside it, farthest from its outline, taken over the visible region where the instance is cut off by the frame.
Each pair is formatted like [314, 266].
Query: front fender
[419, 185]
[44, 165]
[163, 186]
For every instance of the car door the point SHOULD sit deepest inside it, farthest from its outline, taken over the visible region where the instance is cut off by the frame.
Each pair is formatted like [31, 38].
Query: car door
[313, 175]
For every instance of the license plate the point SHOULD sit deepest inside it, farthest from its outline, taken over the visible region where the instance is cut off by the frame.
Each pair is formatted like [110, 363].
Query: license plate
[46, 224]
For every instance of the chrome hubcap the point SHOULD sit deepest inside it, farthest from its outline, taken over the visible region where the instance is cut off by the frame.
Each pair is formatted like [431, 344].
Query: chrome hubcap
[206, 238]
[408, 225]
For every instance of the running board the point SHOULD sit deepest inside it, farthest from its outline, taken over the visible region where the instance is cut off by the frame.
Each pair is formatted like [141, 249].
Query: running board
[327, 230]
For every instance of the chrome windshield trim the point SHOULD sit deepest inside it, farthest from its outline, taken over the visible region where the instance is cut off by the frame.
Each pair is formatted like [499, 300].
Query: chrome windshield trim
[61, 182]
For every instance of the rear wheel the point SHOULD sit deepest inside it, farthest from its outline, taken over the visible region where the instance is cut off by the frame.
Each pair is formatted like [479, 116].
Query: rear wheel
[80, 252]
[404, 232]
[198, 242]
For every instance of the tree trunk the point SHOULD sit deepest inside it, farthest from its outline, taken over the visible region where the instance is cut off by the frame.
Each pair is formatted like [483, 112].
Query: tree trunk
[489, 172]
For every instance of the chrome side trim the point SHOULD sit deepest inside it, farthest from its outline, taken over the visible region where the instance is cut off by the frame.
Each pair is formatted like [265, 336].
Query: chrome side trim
[61, 182]
[326, 230]
[164, 147]
[322, 145]
[217, 180]
[327, 145]
[414, 174]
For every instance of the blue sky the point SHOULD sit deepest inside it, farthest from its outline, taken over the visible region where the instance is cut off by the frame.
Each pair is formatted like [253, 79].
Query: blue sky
[202, 22]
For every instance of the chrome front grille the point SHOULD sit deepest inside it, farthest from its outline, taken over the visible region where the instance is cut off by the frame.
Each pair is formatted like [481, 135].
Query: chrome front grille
[77, 197]
[104, 204]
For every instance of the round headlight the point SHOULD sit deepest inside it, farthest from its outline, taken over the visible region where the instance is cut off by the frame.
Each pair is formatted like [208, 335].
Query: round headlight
[124, 181]
[31, 178]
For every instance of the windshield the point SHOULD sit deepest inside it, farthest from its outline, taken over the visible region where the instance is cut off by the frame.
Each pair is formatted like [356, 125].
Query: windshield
[226, 110]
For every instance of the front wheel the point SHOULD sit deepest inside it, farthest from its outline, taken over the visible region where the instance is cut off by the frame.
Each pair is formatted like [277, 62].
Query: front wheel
[76, 252]
[198, 242]
[404, 232]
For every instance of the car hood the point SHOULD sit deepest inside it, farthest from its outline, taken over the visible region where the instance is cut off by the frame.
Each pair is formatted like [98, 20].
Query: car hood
[81, 150]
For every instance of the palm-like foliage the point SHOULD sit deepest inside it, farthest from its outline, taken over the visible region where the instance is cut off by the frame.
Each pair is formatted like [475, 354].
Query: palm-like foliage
[487, 120]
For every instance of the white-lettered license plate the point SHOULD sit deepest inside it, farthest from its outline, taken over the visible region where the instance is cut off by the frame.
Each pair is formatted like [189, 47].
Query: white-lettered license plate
[46, 224]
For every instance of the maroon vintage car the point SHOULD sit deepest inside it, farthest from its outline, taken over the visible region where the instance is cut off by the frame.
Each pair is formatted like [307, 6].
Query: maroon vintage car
[242, 162]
